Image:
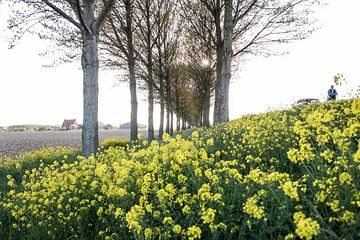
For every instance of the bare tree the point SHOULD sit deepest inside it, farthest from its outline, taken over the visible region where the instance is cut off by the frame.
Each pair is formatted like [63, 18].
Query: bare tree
[78, 17]
[171, 53]
[200, 55]
[145, 40]
[166, 46]
[118, 43]
[153, 19]
[256, 26]
[177, 86]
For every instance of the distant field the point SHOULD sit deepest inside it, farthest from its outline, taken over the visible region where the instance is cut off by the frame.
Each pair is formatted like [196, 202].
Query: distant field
[13, 143]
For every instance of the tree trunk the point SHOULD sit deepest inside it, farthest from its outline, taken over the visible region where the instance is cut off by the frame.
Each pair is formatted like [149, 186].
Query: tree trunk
[167, 127]
[168, 100]
[131, 66]
[90, 66]
[221, 111]
[151, 110]
[150, 100]
[219, 63]
[162, 106]
[226, 67]
[177, 122]
[161, 92]
[150, 80]
[172, 122]
[206, 110]
[183, 125]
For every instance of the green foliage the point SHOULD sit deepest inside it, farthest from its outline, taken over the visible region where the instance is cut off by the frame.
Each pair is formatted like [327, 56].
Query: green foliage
[114, 143]
[186, 134]
[28, 127]
[292, 174]
[32, 160]
[340, 80]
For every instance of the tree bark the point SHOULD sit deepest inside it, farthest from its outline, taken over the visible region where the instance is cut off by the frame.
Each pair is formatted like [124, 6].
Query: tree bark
[150, 107]
[183, 125]
[222, 90]
[172, 122]
[206, 110]
[150, 80]
[162, 103]
[131, 66]
[168, 100]
[219, 63]
[178, 118]
[150, 99]
[178, 121]
[167, 127]
[226, 67]
[178, 111]
[90, 66]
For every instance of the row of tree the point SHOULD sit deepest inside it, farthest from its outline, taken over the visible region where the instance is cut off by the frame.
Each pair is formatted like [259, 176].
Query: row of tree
[180, 52]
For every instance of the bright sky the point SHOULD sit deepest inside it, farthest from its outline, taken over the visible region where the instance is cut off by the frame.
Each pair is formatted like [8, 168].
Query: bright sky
[35, 95]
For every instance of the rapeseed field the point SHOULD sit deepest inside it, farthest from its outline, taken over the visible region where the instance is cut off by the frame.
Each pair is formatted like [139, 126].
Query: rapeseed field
[292, 174]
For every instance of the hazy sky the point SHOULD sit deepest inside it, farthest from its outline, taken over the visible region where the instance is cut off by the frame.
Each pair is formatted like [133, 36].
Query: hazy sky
[32, 94]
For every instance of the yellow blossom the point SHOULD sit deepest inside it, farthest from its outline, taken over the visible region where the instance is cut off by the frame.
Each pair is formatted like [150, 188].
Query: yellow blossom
[177, 229]
[168, 220]
[290, 190]
[148, 233]
[210, 142]
[253, 208]
[306, 228]
[194, 232]
[345, 178]
[208, 216]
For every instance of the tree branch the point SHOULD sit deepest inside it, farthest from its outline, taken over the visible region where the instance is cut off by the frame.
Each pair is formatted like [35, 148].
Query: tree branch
[81, 16]
[62, 13]
[104, 13]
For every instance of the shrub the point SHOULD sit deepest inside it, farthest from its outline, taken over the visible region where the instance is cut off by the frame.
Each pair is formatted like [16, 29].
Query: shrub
[114, 143]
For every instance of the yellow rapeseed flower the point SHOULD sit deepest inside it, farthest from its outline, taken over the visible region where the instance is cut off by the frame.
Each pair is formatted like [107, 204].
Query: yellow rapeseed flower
[168, 220]
[348, 217]
[355, 107]
[194, 232]
[195, 135]
[208, 216]
[210, 142]
[306, 228]
[289, 236]
[290, 190]
[186, 209]
[252, 207]
[148, 233]
[177, 229]
[345, 178]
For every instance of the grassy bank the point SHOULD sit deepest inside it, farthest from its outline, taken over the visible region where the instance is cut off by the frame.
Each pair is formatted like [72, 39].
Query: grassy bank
[279, 175]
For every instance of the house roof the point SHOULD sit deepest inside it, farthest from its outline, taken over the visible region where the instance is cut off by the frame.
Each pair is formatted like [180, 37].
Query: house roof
[68, 122]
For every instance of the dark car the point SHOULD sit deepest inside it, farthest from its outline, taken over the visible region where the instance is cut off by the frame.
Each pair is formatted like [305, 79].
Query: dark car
[305, 101]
